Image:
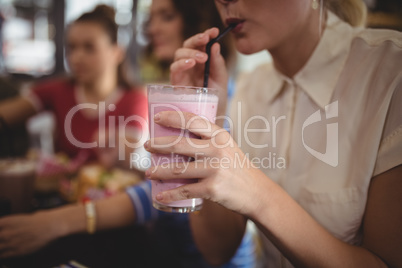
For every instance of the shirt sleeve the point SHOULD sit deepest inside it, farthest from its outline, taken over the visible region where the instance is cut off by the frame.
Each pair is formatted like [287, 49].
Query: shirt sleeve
[141, 197]
[246, 254]
[390, 150]
[40, 96]
[138, 110]
[135, 127]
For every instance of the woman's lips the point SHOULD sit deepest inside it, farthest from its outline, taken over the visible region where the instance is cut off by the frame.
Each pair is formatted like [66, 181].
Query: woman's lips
[239, 24]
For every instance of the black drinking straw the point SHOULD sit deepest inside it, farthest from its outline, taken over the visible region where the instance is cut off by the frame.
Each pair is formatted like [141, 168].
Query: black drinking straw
[208, 51]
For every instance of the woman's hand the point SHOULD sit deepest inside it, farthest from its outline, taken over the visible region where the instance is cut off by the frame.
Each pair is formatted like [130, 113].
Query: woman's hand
[188, 66]
[225, 174]
[24, 234]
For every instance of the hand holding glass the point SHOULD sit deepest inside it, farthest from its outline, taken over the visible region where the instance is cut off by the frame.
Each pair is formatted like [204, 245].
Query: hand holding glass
[196, 100]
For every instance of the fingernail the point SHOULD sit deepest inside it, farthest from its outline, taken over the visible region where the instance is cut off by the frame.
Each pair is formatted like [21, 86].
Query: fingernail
[200, 36]
[146, 145]
[157, 117]
[187, 61]
[199, 55]
[148, 173]
[159, 196]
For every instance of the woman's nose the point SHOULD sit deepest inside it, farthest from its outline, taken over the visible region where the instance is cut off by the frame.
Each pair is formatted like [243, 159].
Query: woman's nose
[153, 27]
[75, 56]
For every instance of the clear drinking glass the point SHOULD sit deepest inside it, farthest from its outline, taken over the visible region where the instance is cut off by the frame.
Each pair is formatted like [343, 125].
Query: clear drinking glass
[197, 100]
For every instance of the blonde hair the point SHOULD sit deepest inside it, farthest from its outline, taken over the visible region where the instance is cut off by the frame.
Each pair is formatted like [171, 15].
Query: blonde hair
[353, 12]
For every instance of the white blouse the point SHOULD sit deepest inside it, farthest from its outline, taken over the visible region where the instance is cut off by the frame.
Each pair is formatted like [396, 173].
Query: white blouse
[323, 134]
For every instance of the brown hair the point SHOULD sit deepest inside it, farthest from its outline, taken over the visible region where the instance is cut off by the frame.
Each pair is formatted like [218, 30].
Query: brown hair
[353, 12]
[197, 15]
[104, 16]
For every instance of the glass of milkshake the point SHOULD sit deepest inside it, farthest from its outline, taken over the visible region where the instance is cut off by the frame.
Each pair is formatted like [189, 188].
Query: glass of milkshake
[196, 100]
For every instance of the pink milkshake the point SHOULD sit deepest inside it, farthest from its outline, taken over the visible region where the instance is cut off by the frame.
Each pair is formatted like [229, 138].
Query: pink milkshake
[200, 101]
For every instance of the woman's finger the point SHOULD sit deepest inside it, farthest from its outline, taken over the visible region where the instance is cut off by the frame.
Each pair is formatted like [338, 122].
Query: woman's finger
[182, 170]
[179, 145]
[188, 191]
[198, 125]
[187, 53]
[200, 40]
[178, 75]
[218, 63]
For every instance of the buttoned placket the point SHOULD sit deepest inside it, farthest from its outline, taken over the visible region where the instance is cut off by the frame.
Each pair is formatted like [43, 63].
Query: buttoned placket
[290, 90]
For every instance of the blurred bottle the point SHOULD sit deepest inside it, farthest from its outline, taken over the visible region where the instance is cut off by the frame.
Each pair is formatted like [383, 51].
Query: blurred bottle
[16, 185]
[41, 132]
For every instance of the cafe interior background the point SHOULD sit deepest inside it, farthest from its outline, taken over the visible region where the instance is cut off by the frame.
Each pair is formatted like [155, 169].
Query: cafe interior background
[32, 46]
[32, 49]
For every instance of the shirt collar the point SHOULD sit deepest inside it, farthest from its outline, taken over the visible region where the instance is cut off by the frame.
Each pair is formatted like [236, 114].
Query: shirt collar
[319, 76]
[275, 85]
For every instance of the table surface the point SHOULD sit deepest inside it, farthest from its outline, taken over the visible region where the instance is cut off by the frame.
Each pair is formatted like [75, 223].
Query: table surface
[126, 247]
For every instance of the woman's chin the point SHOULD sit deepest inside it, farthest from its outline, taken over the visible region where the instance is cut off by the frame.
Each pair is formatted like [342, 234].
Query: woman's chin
[82, 79]
[247, 48]
[164, 55]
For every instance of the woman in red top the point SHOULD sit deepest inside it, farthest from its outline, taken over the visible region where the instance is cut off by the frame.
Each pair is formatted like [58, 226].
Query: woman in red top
[93, 105]
[97, 96]
[85, 119]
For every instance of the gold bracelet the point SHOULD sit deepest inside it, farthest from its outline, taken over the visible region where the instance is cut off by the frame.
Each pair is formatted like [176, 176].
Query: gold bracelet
[91, 217]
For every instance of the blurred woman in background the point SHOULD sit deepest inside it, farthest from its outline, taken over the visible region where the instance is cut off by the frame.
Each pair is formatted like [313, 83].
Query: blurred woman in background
[96, 92]
[97, 77]
[170, 23]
